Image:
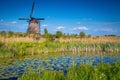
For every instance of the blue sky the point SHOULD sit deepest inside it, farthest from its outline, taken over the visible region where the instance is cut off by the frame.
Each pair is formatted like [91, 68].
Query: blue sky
[95, 17]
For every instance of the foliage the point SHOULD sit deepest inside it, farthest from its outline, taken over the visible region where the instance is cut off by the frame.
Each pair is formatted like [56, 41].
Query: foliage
[82, 34]
[59, 34]
[3, 33]
[45, 31]
[48, 37]
[89, 35]
[110, 35]
[83, 72]
[29, 48]
[10, 34]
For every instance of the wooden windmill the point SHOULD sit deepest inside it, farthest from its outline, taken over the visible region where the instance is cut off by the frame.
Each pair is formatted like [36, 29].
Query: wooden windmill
[34, 23]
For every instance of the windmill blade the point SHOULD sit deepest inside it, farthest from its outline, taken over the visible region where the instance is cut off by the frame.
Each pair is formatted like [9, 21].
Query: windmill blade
[40, 18]
[39, 26]
[24, 19]
[32, 9]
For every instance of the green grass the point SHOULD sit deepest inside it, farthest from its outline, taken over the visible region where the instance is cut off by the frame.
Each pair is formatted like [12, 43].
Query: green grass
[30, 48]
[48, 75]
[83, 72]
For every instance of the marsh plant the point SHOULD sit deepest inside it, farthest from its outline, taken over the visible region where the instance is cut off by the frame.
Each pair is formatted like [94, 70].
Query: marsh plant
[101, 71]
[13, 49]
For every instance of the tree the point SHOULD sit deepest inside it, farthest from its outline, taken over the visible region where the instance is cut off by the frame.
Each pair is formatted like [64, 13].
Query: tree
[45, 31]
[59, 34]
[82, 34]
[11, 34]
[46, 34]
[3, 33]
[110, 35]
[74, 35]
[89, 35]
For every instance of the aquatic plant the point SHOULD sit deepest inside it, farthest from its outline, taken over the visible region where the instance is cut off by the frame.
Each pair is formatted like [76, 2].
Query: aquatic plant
[65, 65]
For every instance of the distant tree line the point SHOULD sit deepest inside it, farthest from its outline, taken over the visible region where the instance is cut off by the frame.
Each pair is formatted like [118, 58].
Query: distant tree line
[110, 35]
[60, 34]
[12, 34]
[47, 35]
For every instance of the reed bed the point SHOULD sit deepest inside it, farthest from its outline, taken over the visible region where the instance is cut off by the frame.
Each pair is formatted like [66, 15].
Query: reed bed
[99, 39]
[19, 39]
[13, 49]
[94, 39]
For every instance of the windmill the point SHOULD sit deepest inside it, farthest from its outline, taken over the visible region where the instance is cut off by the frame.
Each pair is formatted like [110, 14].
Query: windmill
[34, 23]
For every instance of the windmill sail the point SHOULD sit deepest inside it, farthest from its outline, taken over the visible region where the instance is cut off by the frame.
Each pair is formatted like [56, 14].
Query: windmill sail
[32, 9]
[34, 26]
[24, 19]
[40, 18]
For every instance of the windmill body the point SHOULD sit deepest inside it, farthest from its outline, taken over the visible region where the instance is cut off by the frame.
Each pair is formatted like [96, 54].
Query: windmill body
[34, 27]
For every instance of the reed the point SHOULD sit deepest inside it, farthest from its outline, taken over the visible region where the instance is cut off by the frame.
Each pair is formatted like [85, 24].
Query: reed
[83, 72]
[32, 48]
[22, 47]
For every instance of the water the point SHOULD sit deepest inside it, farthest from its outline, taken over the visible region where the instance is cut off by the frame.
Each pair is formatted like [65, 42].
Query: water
[17, 67]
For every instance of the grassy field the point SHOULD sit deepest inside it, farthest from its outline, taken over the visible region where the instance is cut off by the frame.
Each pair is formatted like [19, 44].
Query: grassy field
[11, 47]
[94, 39]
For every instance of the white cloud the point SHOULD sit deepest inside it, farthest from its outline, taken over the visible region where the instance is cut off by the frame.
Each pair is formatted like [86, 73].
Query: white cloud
[81, 28]
[60, 27]
[14, 22]
[44, 25]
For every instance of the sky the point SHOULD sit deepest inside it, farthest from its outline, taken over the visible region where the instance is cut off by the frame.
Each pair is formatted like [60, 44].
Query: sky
[95, 17]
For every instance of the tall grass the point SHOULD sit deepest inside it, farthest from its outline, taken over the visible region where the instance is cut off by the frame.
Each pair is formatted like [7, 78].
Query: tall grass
[83, 72]
[22, 47]
[32, 48]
